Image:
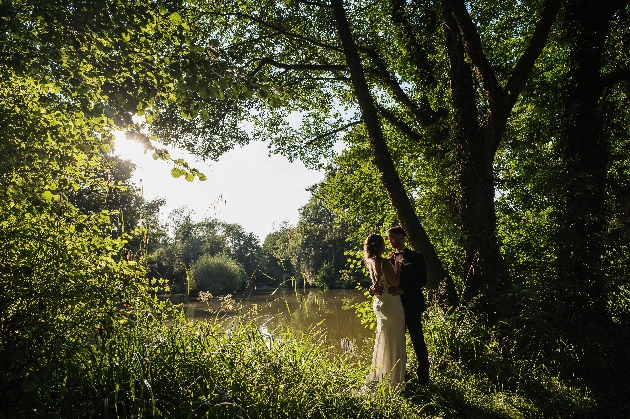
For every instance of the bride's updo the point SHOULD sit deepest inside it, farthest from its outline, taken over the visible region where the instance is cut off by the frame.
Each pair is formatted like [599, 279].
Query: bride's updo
[372, 246]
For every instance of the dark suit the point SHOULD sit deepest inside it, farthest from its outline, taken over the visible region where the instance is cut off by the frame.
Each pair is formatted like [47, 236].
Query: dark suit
[413, 276]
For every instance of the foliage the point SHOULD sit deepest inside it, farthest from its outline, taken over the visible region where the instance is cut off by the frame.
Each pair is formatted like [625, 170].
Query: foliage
[188, 240]
[218, 274]
[325, 276]
[146, 367]
[313, 250]
[81, 334]
[278, 252]
[480, 373]
[64, 277]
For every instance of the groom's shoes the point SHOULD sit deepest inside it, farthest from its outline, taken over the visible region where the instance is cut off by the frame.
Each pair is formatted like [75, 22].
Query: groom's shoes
[421, 381]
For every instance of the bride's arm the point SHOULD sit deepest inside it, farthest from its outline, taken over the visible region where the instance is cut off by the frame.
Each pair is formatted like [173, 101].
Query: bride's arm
[390, 274]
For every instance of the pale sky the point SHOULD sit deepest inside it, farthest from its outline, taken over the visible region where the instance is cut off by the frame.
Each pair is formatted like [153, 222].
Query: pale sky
[257, 190]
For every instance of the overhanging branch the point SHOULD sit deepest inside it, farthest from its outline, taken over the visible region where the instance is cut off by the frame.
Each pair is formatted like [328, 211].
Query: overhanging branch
[333, 132]
[399, 124]
[298, 67]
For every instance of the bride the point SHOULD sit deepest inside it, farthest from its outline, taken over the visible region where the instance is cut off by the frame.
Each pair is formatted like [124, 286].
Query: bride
[389, 357]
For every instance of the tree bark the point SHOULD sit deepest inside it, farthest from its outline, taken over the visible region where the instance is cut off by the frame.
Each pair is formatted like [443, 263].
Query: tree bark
[382, 160]
[476, 145]
[585, 150]
[483, 263]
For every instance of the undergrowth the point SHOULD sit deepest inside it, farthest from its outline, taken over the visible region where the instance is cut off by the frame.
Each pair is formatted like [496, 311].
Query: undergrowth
[153, 362]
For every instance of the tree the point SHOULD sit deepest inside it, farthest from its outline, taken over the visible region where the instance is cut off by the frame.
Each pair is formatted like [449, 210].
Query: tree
[279, 252]
[189, 240]
[586, 146]
[217, 274]
[242, 246]
[337, 61]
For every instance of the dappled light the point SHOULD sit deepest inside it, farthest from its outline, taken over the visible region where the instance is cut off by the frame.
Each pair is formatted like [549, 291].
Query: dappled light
[315, 209]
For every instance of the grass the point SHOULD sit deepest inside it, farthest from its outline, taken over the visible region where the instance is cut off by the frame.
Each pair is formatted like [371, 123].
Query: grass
[142, 366]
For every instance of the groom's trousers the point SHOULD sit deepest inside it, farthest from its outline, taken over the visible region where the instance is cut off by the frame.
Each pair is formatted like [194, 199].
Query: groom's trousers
[414, 327]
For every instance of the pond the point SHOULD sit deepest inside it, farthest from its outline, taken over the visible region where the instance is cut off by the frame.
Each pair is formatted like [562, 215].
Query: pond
[329, 311]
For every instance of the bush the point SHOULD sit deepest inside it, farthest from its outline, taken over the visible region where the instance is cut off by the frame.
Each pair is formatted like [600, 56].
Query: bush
[326, 276]
[218, 274]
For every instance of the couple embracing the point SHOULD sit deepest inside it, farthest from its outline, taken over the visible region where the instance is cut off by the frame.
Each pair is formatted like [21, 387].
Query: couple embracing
[397, 283]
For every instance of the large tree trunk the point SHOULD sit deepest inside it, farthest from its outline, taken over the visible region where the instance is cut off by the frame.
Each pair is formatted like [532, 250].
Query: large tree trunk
[585, 149]
[382, 159]
[474, 154]
[475, 146]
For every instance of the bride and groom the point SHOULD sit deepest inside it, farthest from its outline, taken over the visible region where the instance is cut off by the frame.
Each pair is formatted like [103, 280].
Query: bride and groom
[397, 283]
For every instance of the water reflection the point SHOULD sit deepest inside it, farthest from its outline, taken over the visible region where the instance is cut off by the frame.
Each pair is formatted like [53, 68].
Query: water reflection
[329, 311]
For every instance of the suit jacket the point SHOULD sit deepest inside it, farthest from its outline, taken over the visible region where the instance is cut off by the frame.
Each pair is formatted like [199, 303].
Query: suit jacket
[413, 276]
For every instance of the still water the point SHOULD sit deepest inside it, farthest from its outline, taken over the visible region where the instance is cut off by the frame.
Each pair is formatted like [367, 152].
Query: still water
[328, 311]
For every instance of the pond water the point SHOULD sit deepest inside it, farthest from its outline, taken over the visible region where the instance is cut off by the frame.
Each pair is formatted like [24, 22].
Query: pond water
[329, 311]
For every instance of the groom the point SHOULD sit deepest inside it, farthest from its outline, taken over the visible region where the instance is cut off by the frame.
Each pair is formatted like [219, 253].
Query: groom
[413, 276]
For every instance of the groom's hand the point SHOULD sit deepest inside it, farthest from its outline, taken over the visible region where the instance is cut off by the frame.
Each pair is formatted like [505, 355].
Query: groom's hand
[395, 290]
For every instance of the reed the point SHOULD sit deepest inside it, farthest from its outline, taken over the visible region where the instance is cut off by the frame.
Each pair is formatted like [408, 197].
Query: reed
[146, 367]
[150, 361]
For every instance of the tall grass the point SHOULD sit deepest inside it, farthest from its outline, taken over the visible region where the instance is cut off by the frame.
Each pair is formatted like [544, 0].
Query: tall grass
[151, 361]
[146, 367]
[476, 374]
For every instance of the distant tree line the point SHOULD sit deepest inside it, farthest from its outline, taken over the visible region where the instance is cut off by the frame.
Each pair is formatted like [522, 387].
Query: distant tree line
[188, 253]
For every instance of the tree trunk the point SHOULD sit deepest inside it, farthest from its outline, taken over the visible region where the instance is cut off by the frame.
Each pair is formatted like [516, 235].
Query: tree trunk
[585, 149]
[474, 155]
[384, 164]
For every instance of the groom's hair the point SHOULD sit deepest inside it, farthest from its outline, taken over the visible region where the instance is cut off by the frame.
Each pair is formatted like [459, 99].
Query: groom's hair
[397, 230]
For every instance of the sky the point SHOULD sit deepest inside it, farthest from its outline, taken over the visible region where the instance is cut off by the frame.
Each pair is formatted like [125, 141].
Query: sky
[255, 190]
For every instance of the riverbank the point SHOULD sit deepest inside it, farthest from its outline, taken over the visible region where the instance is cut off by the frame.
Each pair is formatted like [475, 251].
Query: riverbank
[142, 366]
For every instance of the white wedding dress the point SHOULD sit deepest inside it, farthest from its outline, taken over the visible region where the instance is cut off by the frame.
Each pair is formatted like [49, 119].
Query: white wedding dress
[390, 356]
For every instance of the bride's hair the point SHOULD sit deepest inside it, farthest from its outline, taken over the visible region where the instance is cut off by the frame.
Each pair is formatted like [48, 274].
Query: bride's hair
[372, 247]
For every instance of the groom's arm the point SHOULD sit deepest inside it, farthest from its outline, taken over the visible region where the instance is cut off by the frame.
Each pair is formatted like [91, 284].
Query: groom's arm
[414, 273]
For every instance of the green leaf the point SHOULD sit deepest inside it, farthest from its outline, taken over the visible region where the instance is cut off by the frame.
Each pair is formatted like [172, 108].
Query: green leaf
[176, 18]
[47, 195]
[176, 172]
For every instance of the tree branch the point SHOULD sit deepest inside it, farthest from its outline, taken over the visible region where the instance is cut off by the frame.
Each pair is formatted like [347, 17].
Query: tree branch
[277, 29]
[525, 64]
[333, 132]
[252, 40]
[501, 100]
[399, 124]
[423, 116]
[472, 45]
[610, 79]
[297, 67]
[313, 3]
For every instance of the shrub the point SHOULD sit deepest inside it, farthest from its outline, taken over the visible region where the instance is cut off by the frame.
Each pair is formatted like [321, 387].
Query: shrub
[326, 276]
[218, 274]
